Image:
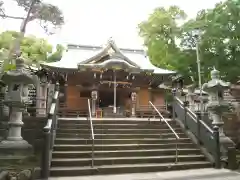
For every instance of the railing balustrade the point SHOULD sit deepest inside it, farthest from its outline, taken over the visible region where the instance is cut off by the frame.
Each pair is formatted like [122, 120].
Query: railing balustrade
[206, 136]
[169, 126]
[89, 118]
[49, 135]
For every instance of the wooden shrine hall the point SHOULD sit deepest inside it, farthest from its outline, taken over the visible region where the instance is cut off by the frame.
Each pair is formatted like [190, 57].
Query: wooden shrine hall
[119, 82]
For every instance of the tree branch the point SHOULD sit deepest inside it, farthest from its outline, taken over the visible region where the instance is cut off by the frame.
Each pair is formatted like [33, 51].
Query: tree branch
[11, 17]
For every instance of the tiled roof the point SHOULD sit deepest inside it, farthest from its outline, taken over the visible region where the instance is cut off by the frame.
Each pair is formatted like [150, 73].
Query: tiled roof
[79, 54]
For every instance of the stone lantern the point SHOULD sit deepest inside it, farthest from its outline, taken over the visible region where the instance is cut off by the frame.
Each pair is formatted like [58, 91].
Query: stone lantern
[134, 100]
[216, 104]
[94, 96]
[16, 98]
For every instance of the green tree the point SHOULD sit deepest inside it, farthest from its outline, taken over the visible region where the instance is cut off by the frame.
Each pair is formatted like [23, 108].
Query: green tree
[160, 33]
[217, 32]
[34, 50]
[219, 42]
[36, 10]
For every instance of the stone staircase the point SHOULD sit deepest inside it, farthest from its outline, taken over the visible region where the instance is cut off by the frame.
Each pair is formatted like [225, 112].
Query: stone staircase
[122, 146]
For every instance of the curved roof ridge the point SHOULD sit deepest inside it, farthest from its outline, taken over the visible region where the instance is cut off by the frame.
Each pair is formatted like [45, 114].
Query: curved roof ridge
[93, 47]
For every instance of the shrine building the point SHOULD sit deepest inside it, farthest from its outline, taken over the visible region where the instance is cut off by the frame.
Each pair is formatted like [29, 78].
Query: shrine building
[119, 82]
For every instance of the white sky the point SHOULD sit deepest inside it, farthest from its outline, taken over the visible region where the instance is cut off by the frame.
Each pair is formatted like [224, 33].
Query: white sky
[92, 22]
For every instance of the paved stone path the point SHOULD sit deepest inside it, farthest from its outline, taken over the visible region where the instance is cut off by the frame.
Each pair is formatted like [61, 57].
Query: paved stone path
[199, 174]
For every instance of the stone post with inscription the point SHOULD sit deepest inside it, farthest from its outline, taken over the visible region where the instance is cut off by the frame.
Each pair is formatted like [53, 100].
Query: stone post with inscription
[42, 89]
[134, 100]
[94, 96]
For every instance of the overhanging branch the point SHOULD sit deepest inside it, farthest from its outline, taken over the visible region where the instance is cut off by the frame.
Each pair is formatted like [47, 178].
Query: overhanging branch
[11, 17]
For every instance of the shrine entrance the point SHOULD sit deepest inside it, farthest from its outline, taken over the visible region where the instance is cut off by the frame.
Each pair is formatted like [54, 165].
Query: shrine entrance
[106, 101]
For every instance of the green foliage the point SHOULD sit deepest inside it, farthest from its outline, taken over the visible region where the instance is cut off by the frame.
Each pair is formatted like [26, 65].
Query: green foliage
[34, 50]
[57, 55]
[160, 32]
[173, 46]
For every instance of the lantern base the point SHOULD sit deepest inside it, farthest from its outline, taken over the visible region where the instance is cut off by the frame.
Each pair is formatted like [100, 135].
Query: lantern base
[13, 149]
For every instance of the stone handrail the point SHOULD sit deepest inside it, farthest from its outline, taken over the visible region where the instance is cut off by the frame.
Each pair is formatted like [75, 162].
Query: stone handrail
[49, 135]
[205, 135]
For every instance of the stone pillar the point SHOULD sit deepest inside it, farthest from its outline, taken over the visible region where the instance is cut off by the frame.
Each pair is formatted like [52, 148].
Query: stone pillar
[190, 97]
[41, 103]
[15, 125]
[134, 100]
[94, 95]
[3, 116]
[25, 93]
[5, 109]
[2, 95]
[50, 95]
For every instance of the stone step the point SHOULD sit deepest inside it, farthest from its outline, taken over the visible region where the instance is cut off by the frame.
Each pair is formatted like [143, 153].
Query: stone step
[119, 131]
[115, 121]
[122, 146]
[126, 168]
[119, 136]
[124, 153]
[120, 141]
[110, 147]
[59, 162]
[116, 126]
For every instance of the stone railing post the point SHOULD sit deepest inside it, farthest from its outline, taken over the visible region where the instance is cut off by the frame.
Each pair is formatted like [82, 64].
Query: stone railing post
[217, 154]
[174, 91]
